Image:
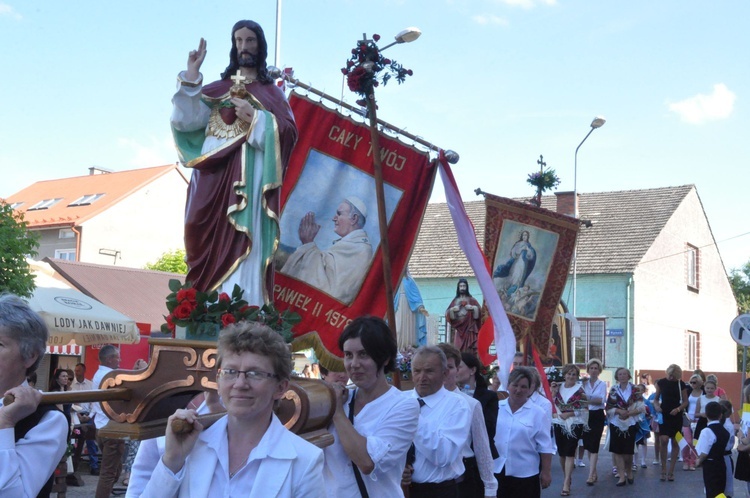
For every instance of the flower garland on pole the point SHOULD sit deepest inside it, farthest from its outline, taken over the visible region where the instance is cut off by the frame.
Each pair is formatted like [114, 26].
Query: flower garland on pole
[363, 69]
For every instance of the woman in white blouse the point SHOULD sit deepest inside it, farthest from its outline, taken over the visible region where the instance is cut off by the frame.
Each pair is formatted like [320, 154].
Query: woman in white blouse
[374, 424]
[596, 392]
[625, 407]
[569, 420]
[522, 440]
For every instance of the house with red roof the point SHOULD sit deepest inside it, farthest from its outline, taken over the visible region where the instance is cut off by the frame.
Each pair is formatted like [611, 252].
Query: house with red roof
[124, 218]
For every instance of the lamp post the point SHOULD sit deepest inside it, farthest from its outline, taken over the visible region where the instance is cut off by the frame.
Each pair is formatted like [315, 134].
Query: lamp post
[598, 122]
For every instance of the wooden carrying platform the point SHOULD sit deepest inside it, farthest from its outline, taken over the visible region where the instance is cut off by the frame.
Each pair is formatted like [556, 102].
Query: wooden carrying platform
[139, 402]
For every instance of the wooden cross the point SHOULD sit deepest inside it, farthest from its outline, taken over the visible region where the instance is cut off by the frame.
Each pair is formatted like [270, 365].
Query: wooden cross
[238, 78]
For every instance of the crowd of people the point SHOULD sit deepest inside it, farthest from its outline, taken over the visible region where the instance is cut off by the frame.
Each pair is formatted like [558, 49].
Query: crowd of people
[449, 436]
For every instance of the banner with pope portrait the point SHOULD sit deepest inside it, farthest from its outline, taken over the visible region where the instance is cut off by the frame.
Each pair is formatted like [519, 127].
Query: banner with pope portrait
[329, 260]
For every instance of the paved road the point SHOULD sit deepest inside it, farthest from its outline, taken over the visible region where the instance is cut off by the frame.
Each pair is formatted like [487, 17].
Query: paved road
[647, 484]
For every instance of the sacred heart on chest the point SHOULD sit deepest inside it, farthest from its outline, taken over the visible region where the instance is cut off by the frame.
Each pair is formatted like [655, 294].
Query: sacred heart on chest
[228, 115]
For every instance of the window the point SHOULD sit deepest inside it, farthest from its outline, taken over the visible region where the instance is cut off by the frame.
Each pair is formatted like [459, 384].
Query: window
[591, 343]
[85, 200]
[16, 205]
[692, 267]
[66, 233]
[45, 204]
[692, 351]
[67, 254]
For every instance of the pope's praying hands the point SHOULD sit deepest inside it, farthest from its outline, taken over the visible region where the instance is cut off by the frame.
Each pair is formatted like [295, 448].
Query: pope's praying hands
[308, 229]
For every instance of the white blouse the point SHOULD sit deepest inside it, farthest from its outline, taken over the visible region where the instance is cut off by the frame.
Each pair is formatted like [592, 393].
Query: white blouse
[389, 424]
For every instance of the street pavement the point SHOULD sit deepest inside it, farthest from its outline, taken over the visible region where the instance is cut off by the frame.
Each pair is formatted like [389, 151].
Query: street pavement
[647, 484]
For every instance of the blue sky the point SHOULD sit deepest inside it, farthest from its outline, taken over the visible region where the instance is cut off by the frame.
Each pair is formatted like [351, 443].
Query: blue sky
[500, 81]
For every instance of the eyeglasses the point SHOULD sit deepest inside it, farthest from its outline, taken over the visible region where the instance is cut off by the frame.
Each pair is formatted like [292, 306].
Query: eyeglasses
[231, 375]
[693, 382]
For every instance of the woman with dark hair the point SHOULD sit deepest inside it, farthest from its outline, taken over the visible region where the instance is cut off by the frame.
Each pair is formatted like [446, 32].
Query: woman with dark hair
[61, 383]
[569, 421]
[470, 374]
[596, 392]
[375, 423]
[469, 379]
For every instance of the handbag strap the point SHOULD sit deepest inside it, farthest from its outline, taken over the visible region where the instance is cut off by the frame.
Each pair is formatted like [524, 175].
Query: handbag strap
[357, 474]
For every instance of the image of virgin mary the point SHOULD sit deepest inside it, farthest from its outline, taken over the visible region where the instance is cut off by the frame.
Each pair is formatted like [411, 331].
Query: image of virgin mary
[520, 265]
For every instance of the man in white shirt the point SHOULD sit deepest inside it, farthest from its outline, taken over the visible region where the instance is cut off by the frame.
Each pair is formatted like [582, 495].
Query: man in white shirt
[88, 429]
[476, 454]
[443, 430]
[33, 438]
[112, 449]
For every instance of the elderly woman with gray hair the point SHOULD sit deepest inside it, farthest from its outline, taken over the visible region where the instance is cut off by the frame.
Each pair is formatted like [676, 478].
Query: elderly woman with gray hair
[33, 438]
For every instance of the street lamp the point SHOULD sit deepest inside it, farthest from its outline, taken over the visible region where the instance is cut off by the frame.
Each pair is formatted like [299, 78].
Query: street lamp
[406, 36]
[598, 122]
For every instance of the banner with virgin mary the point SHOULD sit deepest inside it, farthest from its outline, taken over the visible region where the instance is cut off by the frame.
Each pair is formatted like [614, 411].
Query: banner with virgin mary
[329, 263]
[529, 250]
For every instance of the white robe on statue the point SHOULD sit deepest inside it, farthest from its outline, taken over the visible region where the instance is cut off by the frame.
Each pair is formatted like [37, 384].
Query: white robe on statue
[339, 270]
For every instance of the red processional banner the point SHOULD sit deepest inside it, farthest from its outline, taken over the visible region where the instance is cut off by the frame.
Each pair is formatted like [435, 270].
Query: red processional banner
[529, 250]
[329, 262]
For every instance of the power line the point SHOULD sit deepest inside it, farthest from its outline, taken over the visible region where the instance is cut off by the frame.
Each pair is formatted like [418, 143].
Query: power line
[701, 247]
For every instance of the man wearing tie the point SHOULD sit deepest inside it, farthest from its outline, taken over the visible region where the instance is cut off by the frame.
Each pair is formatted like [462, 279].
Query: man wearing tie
[443, 429]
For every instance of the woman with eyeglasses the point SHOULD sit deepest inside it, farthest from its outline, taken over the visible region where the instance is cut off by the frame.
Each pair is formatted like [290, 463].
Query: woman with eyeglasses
[248, 452]
[374, 424]
[569, 421]
[670, 399]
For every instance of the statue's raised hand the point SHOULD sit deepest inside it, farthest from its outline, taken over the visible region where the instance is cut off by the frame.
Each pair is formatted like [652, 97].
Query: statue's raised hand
[195, 60]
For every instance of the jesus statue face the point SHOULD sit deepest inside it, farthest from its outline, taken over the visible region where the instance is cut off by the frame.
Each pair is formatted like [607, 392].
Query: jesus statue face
[463, 288]
[246, 42]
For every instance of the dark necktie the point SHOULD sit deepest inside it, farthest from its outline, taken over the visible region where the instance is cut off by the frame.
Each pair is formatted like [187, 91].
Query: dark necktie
[421, 402]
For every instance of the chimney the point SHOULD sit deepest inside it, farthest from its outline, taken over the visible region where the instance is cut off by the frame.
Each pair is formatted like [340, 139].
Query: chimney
[97, 170]
[566, 203]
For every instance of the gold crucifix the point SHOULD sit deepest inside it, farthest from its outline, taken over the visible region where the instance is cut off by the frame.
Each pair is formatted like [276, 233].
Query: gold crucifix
[238, 78]
[238, 88]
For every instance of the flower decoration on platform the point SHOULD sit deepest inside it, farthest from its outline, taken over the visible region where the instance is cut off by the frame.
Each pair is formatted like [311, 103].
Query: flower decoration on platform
[364, 67]
[190, 308]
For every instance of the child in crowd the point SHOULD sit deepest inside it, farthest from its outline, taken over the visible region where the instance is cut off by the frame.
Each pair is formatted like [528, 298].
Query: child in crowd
[711, 449]
[726, 406]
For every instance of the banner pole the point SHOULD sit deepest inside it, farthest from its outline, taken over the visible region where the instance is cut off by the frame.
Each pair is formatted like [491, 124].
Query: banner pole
[383, 222]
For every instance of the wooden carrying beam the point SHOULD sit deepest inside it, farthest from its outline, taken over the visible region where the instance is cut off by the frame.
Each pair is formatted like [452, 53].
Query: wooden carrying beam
[138, 402]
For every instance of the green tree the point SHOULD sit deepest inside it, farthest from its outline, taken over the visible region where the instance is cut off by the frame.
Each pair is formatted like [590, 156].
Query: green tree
[739, 278]
[171, 261]
[16, 244]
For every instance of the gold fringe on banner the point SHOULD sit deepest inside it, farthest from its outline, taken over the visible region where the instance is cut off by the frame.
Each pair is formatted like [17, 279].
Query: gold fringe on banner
[311, 340]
